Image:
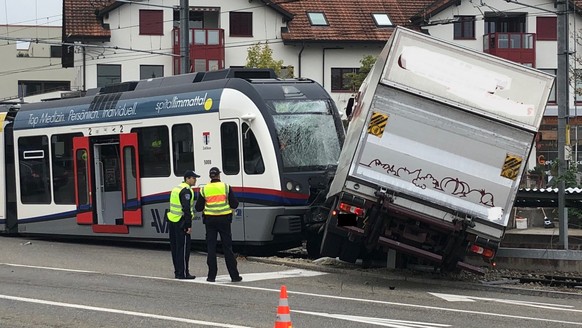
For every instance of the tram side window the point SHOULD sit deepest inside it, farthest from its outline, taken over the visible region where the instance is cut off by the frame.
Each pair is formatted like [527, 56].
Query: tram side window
[154, 151]
[130, 176]
[253, 159]
[33, 156]
[182, 148]
[230, 152]
[62, 165]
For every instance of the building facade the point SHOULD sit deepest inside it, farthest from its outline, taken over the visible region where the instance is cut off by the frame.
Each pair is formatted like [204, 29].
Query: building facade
[31, 68]
[317, 39]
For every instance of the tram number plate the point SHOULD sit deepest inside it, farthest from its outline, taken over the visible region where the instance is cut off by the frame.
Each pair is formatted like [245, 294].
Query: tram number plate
[112, 129]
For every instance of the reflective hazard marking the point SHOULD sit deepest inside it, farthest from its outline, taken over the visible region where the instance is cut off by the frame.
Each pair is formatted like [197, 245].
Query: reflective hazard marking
[2, 117]
[377, 124]
[511, 166]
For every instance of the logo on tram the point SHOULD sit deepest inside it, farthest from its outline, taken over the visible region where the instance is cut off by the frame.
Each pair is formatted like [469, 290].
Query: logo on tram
[159, 222]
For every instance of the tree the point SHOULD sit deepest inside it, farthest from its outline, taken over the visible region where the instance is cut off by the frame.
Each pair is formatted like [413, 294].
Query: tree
[261, 56]
[355, 79]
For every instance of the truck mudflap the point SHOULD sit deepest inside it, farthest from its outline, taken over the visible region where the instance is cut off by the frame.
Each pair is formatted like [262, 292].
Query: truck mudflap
[398, 246]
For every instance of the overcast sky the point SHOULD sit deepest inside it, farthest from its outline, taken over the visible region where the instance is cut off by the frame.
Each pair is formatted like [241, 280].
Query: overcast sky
[31, 12]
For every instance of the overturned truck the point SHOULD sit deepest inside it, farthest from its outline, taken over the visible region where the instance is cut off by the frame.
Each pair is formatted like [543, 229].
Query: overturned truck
[437, 143]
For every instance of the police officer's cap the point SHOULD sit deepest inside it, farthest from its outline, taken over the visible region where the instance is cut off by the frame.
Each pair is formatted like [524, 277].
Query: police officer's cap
[190, 174]
[214, 172]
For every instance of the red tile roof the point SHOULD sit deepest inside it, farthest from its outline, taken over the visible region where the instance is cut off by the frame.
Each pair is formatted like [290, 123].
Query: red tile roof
[80, 21]
[349, 21]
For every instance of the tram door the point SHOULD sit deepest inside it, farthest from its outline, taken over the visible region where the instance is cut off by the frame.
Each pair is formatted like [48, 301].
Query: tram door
[107, 164]
[107, 182]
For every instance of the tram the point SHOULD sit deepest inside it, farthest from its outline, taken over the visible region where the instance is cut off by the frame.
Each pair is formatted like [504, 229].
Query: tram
[103, 165]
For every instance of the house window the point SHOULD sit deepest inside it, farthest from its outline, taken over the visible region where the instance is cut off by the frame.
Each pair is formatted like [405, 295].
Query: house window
[29, 88]
[241, 24]
[547, 28]
[339, 79]
[578, 90]
[108, 74]
[56, 51]
[317, 19]
[464, 28]
[150, 71]
[151, 22]
[382, 20]
[552, 96]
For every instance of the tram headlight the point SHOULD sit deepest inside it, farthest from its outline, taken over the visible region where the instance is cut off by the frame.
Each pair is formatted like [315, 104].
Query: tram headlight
[293, 186]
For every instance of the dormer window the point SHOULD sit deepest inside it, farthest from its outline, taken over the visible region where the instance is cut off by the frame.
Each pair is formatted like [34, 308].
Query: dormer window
[382, 20]
[317, 19]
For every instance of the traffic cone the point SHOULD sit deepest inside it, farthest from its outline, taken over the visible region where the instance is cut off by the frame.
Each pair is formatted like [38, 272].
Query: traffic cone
[283, 314]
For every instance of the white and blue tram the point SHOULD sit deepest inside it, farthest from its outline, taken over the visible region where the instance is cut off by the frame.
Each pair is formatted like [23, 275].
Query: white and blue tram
[102, 165]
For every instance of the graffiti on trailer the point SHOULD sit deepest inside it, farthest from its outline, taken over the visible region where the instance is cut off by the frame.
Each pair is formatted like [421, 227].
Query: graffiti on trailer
[453, 186]
[159, 222]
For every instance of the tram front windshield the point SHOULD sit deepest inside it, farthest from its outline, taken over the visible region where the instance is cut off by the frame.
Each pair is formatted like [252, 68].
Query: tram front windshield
[308, 137]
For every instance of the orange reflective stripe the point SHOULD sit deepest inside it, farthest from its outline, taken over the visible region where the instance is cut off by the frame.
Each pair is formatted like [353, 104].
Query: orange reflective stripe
[216, 198]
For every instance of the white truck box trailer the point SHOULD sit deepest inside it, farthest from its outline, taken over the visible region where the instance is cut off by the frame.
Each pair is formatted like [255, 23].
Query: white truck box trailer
[437, 143]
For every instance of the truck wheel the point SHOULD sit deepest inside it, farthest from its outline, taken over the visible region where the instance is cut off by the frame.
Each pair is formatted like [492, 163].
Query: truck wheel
[313, 245]
[331, 241]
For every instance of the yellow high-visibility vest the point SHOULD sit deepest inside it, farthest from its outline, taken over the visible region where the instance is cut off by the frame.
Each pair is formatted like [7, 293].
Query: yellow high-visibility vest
[175, 212]
[216, 196]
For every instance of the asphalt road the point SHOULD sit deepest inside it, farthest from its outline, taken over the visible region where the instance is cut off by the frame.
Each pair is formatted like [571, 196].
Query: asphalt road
[47, 283]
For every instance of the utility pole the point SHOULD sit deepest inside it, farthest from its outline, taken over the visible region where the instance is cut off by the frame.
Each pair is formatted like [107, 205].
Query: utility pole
[184, 36]
[562, 87]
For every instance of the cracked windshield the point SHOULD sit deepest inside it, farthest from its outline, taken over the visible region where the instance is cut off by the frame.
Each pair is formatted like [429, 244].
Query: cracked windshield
[308, 138]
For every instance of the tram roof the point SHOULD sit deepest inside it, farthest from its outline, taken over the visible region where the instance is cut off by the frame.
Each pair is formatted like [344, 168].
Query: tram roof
[166, 96]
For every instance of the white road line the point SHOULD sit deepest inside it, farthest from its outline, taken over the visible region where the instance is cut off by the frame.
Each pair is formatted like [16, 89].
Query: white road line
[131, 313]
[415, 306]
[463, 298]
[377, 321]
[247, 277]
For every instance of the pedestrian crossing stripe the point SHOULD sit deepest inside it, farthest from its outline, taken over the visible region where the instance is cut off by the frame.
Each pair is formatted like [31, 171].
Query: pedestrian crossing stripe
[511, 166]
[377, 124]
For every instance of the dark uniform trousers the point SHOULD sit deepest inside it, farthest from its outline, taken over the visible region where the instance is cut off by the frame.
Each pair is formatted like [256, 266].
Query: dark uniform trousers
[180, 243]
[220, 225]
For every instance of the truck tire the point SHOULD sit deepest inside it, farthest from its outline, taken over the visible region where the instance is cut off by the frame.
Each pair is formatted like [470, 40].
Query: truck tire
[331, 241]
[313, 244]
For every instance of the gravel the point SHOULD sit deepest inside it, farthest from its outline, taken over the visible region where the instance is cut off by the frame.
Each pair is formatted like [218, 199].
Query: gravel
[493, 277]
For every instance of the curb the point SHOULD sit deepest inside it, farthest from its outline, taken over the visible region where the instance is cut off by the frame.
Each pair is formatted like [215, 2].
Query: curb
[354, 271]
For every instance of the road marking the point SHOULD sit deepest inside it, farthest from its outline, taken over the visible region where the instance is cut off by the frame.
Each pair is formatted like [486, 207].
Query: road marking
[131, 313]
[462, 298]
[242, 286]
[376, 321]
[247, 277]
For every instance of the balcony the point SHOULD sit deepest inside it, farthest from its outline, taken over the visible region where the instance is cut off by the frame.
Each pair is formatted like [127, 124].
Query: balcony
[206, 49]
[517, 47]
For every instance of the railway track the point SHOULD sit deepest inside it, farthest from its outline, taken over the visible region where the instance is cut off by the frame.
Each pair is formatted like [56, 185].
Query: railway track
[550, 280]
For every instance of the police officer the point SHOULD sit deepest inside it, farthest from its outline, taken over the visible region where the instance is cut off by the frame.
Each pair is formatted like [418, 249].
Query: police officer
[217, 201]
[180, 218]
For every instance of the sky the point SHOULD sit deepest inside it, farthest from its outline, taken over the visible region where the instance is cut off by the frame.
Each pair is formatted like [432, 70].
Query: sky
[31, 12]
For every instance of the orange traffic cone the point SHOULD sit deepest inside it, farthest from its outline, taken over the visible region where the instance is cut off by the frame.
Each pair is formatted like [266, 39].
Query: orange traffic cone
[283, 314]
